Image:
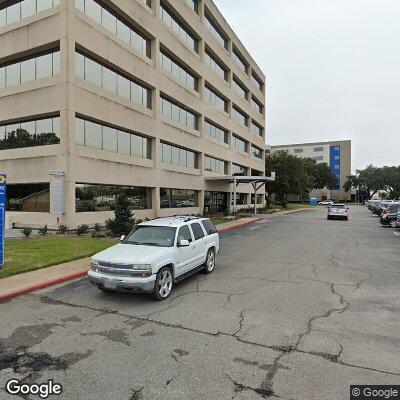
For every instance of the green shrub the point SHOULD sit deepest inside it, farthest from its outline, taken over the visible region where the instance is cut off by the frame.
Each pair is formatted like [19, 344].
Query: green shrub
[26, 231]
[82, 229]
[62, 229]
[43, 231]
[123, 221]
[97, 228]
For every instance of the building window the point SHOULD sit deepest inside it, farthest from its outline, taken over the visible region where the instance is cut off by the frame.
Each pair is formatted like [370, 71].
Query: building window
[214, 165]
[179, 72]
[102, 137]
[96, 73]
[255, 172]
[215, 99]
[256, 152]
[41, 132]
[178, 156]
[213, 131]
[240, 89]
[194, 4]
[256, 105]
[216, 31]
[177, 198]
[31, 69]
[89, 198]
[318, 149]
[239, 116]
[216, 66]
[239, 144]
[116, 25]
[147, 2]
[241, 199]
[256, 129]
[337, 158]
[297, 151]
[177, 26]
[257, 81]
[28, 197]
[239, 60]
[239, 170]
[260, 198]
[319, 158]
[24, 9]
[178, 114]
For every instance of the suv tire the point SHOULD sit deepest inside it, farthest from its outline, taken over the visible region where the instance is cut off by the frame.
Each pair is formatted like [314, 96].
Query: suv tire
[209, 265]
[393, 223]
[164, 284]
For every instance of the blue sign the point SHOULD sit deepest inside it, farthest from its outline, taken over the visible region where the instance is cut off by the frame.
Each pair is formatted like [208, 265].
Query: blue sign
[3, 181]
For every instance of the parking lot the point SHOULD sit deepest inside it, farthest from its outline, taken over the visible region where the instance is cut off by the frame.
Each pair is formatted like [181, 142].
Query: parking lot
[298, 308]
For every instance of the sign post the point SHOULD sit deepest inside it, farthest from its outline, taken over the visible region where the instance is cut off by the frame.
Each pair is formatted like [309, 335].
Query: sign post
[3, 182]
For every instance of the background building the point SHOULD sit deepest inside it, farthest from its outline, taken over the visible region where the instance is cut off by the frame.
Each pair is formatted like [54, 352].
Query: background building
[336, 154]
[145, 97]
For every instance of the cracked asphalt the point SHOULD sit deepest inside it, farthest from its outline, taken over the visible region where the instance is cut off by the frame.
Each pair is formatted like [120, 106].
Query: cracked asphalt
[298, 308]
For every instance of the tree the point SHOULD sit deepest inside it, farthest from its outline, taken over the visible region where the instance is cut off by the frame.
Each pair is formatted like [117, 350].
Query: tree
[297, 176]
[123, 221]
[289, 176]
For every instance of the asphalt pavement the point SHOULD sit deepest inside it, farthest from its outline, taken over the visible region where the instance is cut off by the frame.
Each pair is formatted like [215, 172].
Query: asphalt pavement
[298, 308]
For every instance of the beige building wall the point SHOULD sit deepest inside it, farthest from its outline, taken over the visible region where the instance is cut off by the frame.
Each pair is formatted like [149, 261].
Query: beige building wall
[321, 152]
[65, 95]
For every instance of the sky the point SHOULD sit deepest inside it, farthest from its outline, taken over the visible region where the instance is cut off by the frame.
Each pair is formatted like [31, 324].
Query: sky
[332, 70]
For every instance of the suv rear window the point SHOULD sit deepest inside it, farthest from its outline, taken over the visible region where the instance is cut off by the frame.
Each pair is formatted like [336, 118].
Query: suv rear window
[209, 226]
[197, 231]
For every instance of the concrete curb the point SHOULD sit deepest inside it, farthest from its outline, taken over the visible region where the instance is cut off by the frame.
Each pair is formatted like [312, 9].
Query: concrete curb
[76, 275]
[42, 285]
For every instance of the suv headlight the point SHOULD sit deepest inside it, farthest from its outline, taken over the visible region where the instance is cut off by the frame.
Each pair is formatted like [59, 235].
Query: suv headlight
[94, 264]
[141, 270]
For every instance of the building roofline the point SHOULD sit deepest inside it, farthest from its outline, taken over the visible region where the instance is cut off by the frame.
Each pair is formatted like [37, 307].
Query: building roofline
[311, 143]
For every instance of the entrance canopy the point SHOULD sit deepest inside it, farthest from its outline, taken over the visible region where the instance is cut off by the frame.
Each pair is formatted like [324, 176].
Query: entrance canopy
[256, 181]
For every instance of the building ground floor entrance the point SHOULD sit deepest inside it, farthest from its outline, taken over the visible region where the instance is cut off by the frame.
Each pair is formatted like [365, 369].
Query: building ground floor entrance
[215, 203]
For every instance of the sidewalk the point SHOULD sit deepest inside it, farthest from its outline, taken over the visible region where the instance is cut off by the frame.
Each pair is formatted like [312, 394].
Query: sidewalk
[39, 279]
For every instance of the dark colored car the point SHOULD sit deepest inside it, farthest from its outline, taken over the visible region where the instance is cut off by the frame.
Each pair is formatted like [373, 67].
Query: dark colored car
[390, 214]
[378, 209]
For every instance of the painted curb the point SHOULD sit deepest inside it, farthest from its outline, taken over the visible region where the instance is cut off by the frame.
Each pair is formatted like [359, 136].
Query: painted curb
[42, 285]
[76, 275]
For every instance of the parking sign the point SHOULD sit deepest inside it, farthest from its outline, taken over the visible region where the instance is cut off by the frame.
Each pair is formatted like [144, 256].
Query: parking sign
[3, 181]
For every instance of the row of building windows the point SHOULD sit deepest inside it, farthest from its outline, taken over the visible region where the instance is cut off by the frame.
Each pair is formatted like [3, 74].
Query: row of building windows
[178, 28]
[116, 26]
[215, 165]
[256, 152]
[215, 99]
[178, 198]
[215, 132]
[239, 61]
[239, 144]
[215, 31]
[36, 67]
[239, 170]
[98, 74]
[179, 72]
[256, 129]
[24, 9]
[31, 133]
[178, 113]
[216, 66]
[178, 156]
[239, 116]
[91, 134]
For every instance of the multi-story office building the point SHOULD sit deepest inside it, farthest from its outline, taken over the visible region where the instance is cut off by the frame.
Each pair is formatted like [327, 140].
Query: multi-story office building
[144, 97]
[337, 154]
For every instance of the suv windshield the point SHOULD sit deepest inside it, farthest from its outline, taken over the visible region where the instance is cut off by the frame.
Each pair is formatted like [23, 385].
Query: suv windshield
[338, 206]
[160, 236]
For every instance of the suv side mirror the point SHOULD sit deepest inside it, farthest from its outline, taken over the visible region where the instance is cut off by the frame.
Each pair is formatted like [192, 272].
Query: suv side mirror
[122, 238]
[184, 243]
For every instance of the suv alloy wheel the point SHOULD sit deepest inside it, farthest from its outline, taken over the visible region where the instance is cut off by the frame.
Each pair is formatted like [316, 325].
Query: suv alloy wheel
[164, 284]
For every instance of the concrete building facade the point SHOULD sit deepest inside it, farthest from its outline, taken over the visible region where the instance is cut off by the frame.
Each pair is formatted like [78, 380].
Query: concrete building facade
[145, 97]
[337, 154]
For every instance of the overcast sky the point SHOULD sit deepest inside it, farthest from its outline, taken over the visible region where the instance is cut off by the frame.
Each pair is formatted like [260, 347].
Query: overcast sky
[333, 70]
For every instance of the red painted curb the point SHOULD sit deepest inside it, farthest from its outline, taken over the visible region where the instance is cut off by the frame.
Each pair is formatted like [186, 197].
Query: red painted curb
[42, 285]
[229, 228]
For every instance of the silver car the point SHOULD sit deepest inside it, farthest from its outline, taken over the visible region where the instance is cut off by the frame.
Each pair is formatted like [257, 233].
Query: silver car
[338, 211]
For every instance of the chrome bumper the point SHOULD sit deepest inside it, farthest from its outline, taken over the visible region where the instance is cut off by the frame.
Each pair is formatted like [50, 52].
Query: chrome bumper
[122, 283]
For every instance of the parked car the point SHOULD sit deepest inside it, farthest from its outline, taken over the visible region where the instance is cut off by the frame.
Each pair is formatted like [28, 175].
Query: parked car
[326, 203]
[390, 214]
[398, 221]
[156, 255]
[340, 211]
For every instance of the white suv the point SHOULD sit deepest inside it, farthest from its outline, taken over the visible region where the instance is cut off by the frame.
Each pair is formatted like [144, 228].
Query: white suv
[157, 254]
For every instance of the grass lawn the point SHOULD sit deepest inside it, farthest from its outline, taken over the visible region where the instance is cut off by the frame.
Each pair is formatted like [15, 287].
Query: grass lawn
[275, 208]
[219, 221]
[24, 255]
